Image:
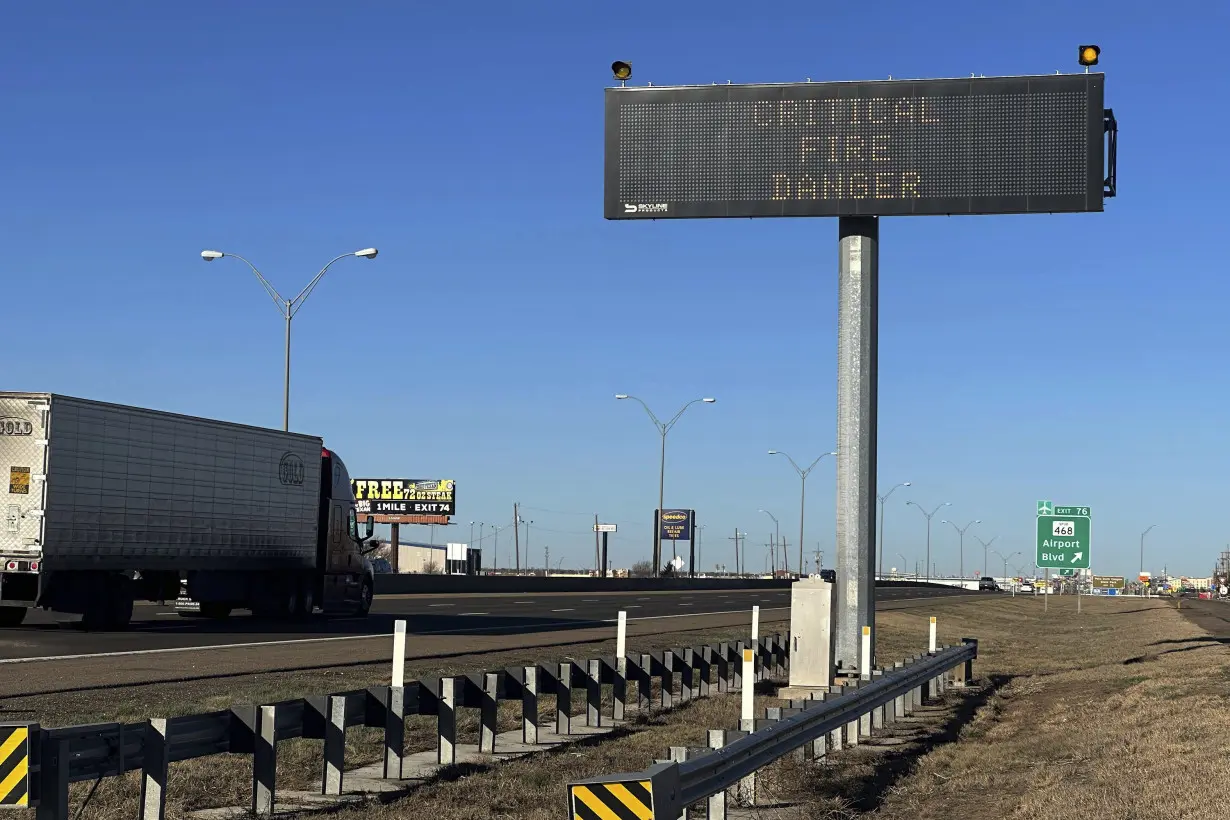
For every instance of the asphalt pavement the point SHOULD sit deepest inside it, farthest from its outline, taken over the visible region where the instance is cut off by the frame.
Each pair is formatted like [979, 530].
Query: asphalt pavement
[158, 630]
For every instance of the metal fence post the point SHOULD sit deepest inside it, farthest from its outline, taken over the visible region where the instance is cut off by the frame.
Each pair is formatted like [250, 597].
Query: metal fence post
[723, 667]
[154, 771]
[686, 675]
[264, 762]
[899, 701]
[969, 664]
[394, 731]
[490, 715]
[668, 678]
[877, 714]
[335, 745]
[446, 723]
[593, 693]
[706, 669]
[529, 706]
[644, 684]
[619, 688]
[563, 699]
[736, 675]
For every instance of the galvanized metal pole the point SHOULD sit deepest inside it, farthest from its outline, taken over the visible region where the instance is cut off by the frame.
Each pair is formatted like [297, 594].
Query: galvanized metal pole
[286, 384]
[857, 366]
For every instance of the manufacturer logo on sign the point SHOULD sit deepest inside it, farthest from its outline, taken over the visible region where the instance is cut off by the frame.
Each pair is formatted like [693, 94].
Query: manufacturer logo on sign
[290, 470]
[643, 208]
[15, 427]
[674, 516]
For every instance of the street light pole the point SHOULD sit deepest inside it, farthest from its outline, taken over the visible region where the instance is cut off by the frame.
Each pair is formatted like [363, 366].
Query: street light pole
[986, 545]
[802, 494]
[778, 536]
[663, 429]
[880, 546]
[961, 530]
[928, 516]
[288, 307]
[1006, 557]
[1142, 549]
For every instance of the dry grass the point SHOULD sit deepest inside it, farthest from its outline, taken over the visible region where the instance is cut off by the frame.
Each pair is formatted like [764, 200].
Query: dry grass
[1118, 712]
[225, 780]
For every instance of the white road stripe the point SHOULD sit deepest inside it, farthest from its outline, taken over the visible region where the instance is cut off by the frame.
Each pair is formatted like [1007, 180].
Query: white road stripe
[562, 610]
[441, 604]
[463, 614]
[385, 636]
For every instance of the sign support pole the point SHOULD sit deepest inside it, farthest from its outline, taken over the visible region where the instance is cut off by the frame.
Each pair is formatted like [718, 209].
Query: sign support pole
[1046, 592]
[857, 373]
[602, 573]
[394, 546]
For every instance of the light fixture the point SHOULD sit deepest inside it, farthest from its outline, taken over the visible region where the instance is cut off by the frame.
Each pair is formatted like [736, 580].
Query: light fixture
[1087, 55]
[210, 256]
[621, 70]
[367, 253]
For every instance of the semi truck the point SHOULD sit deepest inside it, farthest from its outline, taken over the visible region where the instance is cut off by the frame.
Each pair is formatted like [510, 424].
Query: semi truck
[106, 504]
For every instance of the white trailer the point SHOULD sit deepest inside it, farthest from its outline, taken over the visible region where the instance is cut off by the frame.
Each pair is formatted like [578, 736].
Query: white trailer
[107, 503]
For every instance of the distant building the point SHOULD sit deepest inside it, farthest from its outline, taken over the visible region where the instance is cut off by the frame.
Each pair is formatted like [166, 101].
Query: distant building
[420, 558]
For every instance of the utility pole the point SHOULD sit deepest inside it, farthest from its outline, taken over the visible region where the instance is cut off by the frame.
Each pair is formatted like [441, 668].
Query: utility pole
[517, 535]
[736, 538]
[546, 557]
[786, 561]
[597, 547]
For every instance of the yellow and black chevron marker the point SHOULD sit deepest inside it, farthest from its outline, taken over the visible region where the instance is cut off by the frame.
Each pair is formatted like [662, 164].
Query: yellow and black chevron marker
[629, 800]
[14, 766]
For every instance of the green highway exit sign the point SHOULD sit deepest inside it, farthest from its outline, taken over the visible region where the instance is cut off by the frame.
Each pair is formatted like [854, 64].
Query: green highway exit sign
[1063, 537]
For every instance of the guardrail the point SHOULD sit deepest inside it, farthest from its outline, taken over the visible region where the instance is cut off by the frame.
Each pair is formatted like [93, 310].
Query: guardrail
[810, 727]
[48, 760]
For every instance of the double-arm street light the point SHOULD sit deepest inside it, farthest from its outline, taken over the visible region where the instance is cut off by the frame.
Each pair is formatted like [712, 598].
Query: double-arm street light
[288, 307]
[986, 545]
[1005, 559]
[663, 429]
[880, 544]
[929, 516]
[802, 494]
[961, 531]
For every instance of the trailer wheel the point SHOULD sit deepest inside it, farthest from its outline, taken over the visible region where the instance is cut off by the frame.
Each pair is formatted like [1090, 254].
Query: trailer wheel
[305, 605]
[215, 611]
[12, 615]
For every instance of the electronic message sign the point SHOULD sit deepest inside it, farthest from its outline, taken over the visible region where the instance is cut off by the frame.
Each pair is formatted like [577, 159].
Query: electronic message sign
[885, 148]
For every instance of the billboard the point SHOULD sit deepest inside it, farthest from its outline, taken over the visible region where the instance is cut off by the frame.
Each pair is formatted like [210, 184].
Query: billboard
[677, 525]
[991, 145]
[405, 500]
[1109, 582]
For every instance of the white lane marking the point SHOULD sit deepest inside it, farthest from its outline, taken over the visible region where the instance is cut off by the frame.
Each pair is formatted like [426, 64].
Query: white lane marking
[642, 599]
[562, 610]
[634, 606]
[523, 602]
[293, 641]
[463, 614]
[687, 605]
[441, 604]
[589, 600]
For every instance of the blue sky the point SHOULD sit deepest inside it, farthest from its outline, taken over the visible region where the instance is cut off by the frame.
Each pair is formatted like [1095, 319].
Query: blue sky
[1079, 358]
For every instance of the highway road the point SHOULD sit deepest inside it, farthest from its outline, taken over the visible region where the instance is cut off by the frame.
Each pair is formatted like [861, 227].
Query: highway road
[160, 630]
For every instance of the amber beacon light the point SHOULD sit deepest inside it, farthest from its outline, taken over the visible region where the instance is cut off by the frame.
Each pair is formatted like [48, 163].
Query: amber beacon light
[1089, 55]
[622, 70]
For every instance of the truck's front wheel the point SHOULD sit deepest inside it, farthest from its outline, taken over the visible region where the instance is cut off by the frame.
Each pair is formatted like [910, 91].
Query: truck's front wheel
[366, 593]
[12, 615]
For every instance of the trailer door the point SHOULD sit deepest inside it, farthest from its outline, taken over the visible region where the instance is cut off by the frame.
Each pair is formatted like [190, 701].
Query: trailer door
[23, 472]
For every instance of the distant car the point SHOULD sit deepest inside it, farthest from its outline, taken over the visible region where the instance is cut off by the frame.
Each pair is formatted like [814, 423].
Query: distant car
[1026, 586]
[988, 585]
[381, 565]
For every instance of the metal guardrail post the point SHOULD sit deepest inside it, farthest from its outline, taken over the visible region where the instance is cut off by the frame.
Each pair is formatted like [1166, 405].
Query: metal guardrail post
[593, 693]
[619, 688]
[644, 684]
[446, 723]
[723, 667]
[736, 677]
[687, 675]
[899, 701]
[529, 705]
[852, 728]
[563, 699]
[679, 754]
[394, 731]
[264, 762]
[335, 745]
[716, 804]
[490, 713]
[968, 677]
[53, 779]
[878, 713]
[154, 767]
[667, 682]
[705, 662]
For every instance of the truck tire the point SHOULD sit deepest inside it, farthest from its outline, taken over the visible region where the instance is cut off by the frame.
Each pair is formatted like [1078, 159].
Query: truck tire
[305, 605]
[215, 611]
[366, 593]
[12, 615]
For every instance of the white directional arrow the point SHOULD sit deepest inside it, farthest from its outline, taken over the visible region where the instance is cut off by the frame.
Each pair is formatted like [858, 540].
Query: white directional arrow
[1076, 556]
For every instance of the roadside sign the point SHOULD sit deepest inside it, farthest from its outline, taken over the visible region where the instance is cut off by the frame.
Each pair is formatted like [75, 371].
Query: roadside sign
[1063, 537]
[1109, 582]
[605, 528]
[1067, 572]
